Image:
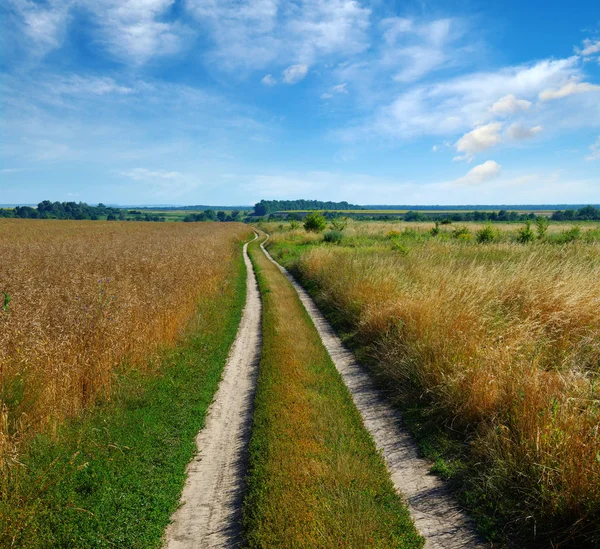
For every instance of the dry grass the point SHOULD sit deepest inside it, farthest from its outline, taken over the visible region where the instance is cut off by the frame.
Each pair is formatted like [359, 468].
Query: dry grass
[88, 298]
[503, 341]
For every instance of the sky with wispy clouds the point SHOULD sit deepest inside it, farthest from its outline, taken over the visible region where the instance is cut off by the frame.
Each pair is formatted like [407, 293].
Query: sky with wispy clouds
[230, 101]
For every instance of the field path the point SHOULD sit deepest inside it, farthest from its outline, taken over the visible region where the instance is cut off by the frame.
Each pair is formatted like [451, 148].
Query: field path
[211, 503]
[436, 515]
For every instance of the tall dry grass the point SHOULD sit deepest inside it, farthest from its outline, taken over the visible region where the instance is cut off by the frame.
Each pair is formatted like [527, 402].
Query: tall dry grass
[501, 341]
[89, 298]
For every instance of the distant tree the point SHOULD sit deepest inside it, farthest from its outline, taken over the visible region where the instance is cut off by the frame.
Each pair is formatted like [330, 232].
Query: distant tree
[221, 216]
[210, 215]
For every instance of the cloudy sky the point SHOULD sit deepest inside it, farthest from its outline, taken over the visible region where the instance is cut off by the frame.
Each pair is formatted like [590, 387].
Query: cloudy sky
[230, 101]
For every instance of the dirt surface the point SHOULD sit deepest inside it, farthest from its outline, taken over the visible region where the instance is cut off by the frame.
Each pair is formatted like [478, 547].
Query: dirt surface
[435, 513]
[211, 503]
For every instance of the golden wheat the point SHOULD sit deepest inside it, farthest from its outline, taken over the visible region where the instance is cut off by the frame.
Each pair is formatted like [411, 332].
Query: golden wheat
[90, 297]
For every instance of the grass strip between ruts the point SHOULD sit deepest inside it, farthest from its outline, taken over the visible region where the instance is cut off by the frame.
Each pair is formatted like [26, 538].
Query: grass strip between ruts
[315, 476]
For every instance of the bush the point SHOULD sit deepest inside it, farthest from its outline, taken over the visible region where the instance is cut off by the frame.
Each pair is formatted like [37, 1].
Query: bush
[399, 248]
[294, 224]
[462, 233]
[573, 234]
[487, 234]
[334, 237]
[435, 230]
[339, 223]
[525, 234]
[541, 225]
[315, 222]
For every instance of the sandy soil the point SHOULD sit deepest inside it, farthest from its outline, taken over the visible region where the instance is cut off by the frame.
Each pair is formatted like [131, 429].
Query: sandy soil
[211, 502]
[436, 515]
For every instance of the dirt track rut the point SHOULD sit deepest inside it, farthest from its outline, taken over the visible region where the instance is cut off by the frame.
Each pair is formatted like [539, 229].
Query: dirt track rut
[210, 511]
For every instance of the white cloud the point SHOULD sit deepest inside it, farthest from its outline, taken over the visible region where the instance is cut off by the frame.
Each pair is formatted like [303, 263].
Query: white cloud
[509, 104]
[76, 84]
[251, 34]
[480, 139]
[590, 47]
[434, 148]
[595, 151]
[294, 73]
[44, 24]
[335, 90]
[162, 182]
[519, 132]
[133, 30]
[480, 174]
[568, 89]
[414, 48]
[458, 104]
[268, 80]
[143, 174]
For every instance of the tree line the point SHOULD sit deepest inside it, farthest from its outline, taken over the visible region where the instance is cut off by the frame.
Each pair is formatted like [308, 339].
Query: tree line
[266, 207]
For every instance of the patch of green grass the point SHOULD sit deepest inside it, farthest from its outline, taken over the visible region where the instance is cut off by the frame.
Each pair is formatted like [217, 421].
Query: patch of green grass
[315, 477]
[114, 477]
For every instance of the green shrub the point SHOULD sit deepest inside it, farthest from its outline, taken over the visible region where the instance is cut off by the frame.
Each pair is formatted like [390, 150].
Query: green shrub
[339, 223]
[487, 234]
[462, 233]
[436, 230]
[541, 225]
[573, 234]
[400, 248]
[333, 237]
[315, 222]
[525, 234]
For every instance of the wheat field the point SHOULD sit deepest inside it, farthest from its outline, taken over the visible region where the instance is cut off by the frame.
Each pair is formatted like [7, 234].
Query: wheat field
[84, 301]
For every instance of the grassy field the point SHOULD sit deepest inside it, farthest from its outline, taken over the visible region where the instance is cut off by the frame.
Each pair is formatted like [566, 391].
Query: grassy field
[110, 351]
[497, 341]
[315, 478]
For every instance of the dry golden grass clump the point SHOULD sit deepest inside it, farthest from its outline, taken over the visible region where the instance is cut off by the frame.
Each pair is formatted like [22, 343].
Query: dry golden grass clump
[503, 341]
[87, 298]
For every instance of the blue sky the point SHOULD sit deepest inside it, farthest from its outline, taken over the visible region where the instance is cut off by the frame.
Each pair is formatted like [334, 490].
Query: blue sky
[231, 101]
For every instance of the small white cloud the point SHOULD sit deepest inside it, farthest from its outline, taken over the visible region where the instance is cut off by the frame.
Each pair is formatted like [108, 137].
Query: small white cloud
[82, 85]
[568, 89]
[519, 132]
[434, 148]
[509, 104]
[268, 80]
[335, 90]
[480, 139]
[142, 174]
[294, 73]
[589, 48]
[480, 174]
[595, 151]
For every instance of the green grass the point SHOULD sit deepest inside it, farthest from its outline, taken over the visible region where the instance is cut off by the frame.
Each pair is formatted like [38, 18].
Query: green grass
[114, 477]
[315, 477]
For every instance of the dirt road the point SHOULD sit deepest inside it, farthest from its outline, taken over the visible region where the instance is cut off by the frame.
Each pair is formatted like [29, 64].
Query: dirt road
[210, 511]
[435, 513]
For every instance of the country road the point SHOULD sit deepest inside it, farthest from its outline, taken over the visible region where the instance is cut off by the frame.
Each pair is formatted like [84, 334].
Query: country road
[211, 504]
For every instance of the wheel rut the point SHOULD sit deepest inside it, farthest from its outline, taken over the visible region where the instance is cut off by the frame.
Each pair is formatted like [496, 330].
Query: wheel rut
[210, 514]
